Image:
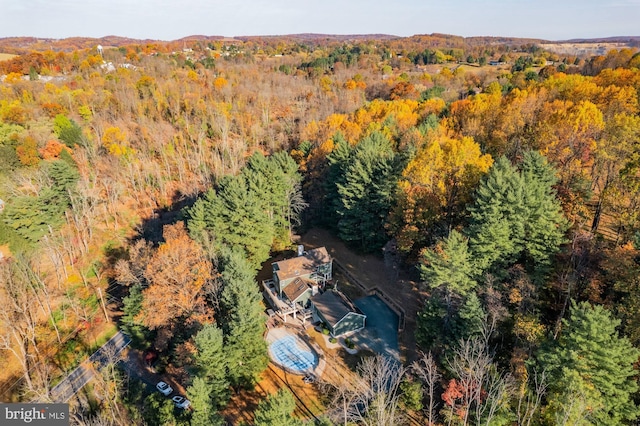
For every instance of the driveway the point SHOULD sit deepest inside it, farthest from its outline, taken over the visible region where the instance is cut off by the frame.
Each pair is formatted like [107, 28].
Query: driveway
[380, 334]
[79, 377]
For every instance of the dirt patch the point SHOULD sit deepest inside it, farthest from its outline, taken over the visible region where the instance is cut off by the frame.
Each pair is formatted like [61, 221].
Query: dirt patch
[243, 404]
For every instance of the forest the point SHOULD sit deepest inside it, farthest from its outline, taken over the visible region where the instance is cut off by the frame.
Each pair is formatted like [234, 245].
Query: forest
[144, 185]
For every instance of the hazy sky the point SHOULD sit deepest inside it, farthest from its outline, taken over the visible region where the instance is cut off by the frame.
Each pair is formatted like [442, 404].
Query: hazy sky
[172, 19]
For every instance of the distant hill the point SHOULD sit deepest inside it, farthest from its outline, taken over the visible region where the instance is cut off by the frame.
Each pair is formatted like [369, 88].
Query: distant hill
[322, 37]
[616, 39]
[22, 45]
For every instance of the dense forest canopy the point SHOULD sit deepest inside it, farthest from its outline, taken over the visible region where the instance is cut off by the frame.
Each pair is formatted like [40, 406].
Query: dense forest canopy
[143, 185]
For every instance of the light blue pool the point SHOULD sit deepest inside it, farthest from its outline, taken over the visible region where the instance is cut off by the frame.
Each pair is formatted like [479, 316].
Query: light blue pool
[290, 353]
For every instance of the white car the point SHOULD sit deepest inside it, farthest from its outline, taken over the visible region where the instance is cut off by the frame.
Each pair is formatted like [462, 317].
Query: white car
[181, 402]
[164, 388]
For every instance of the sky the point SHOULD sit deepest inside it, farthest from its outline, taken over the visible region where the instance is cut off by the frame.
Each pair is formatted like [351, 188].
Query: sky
[174, 19]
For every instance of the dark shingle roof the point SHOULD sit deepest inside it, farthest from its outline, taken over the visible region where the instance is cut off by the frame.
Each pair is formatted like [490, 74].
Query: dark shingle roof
[296, 288]
[334, 306]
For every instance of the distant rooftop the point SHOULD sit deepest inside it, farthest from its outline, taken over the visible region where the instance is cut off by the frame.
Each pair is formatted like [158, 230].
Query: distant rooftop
[302, 265]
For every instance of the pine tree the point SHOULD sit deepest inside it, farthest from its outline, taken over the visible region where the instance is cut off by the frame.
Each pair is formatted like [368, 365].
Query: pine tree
[517, 217]
[237, 219]
[272, 179]
[243, 320]
[544, 224]
[471, 318]
[251, 210]
[591, 365]
[430, 324]
[132, 304]
[448, 270]
[449, 265]
[493, 239]
[338, 160]
[277, 410]
[211, 363]
[204, 413]
[31, 216]
[367, 192]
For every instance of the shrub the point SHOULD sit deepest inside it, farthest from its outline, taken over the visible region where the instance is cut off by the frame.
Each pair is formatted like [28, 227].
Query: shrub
[333, 340]
[411, 397]
[325, 331]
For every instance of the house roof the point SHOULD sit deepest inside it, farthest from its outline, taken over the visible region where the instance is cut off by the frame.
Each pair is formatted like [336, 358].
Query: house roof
[334, 306]
[301, 265]
[297, 288]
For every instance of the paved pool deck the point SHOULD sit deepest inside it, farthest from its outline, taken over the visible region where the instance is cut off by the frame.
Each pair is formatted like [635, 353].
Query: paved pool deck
[380, 334]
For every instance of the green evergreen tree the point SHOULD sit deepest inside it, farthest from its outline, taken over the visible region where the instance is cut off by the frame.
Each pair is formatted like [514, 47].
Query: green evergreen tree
[544, 224]
[237, 219]
[430, 324]
[211, 363]
[204, 412]
[493, 239]
[68, 131]
[337, 161]
[132, 304]
[471, 318]
[30, 218]
[159, 410]
[197, 218]
[277, 410]
[273, 179]
[517, 217]
[367, 192]
[448, 270]
[449, 265]
[592, 365]
[250, 211]
[63, 177]
[243, 319]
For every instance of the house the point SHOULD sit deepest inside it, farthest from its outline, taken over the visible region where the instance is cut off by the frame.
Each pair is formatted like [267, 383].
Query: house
[296, 280]
[339, 314]
[299, 278]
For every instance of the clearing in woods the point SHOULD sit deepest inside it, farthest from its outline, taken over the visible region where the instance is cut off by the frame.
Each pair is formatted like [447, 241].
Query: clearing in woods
[6, 56]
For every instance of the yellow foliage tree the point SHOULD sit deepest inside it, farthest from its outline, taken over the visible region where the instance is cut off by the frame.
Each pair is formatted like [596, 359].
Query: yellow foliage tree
[435, 188]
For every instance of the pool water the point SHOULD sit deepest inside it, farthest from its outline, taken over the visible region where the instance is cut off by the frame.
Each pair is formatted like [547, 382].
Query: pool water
[287, 352]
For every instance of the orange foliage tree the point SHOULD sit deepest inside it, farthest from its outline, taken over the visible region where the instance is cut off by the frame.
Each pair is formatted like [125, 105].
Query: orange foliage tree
[177, 273]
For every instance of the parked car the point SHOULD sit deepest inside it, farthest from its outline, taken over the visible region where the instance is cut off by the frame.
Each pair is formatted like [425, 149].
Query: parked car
[164, 388]
[181, 402]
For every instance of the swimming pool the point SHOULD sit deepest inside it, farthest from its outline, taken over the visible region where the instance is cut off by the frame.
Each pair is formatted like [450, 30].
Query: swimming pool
[293, 354]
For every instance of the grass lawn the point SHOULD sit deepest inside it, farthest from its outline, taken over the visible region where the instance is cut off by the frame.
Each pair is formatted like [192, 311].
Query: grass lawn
[6, 56]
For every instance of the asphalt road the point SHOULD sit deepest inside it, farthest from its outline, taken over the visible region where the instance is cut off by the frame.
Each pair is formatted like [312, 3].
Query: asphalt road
[79, 377]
